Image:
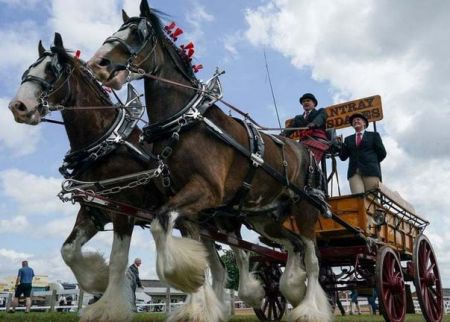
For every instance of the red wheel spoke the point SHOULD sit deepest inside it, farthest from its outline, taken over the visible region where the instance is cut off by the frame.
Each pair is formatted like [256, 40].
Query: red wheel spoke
[431, 268]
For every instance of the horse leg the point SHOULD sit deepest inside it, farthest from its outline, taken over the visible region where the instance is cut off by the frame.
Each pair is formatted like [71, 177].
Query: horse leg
[181, 262]
[315, 307]
[205, 303]
[115, 305]
[250, 289]
[292, 282]
[89, 268]
[200, 306]
[218, 274]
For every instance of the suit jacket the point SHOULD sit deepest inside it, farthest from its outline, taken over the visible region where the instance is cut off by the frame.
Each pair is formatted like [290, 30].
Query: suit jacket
[318, 117]
[366, 157]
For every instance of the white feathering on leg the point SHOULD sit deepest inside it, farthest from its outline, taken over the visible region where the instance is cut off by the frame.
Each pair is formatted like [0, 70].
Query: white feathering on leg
[181, 262]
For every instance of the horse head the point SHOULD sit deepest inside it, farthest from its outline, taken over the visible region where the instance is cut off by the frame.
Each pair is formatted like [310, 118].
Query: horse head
[43, 84]
[139, 45]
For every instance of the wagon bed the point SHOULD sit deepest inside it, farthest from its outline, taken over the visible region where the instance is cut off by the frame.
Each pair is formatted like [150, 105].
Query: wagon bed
[380, 214]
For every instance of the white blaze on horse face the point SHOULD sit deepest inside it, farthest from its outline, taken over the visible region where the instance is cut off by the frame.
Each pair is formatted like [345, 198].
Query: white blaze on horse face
[100, 63]
[29, 92]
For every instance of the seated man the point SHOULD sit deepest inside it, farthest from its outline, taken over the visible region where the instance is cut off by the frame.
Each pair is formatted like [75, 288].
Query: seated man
[313, 121]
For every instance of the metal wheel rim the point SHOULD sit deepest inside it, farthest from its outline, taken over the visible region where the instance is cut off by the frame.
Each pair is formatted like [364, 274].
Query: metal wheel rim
[274, 304]
[427, 280]
[390, 285]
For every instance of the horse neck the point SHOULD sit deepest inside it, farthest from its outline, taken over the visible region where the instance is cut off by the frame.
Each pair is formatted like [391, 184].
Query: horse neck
[84, 126]
[163, 99]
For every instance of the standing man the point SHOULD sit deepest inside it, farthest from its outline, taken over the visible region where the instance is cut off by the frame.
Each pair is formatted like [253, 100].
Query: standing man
[23, 286]
[365, 150]
[135, 281]
[314, 122]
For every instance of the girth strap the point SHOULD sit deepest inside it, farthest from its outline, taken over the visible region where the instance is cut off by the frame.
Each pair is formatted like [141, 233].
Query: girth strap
[256, 144]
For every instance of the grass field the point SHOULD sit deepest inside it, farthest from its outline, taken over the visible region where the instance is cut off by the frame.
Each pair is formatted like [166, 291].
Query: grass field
[155, 317]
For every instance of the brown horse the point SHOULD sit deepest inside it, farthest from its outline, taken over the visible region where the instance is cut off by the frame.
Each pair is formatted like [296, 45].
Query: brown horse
[57, 79]
[209, 156]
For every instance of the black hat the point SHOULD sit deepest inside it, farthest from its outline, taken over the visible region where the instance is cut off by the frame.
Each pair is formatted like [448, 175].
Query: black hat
[310, 96]
[350, 119]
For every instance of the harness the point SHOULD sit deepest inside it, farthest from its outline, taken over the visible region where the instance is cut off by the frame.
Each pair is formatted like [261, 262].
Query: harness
[193, 113]
[126, 120]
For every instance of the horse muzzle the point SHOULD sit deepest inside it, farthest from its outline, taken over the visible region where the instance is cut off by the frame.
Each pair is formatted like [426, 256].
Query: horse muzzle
[22, 114]
[110, 75]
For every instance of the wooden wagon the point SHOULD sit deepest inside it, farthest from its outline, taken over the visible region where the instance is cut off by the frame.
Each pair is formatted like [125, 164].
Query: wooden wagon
[374, 241]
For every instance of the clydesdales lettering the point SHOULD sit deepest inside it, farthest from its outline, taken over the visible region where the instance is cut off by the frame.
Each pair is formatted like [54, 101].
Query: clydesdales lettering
[339, 114]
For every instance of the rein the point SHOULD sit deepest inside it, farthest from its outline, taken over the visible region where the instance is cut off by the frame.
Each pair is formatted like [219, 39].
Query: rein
[143, 74]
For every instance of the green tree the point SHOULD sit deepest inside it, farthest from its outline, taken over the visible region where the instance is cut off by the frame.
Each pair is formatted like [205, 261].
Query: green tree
[232, 270]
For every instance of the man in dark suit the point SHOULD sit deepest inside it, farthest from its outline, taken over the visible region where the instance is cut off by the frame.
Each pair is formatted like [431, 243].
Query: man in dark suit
[313, 121]
[365, 150]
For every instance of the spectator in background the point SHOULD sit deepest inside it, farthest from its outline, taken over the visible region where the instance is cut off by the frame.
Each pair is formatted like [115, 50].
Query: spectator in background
[135, 281]
[23, 286]
[354, 300]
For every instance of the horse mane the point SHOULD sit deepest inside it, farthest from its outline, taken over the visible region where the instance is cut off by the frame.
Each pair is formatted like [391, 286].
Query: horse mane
[183, 62]
[81, 71]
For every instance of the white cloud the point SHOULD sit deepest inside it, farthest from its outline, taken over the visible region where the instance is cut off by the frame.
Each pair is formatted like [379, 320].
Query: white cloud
[370, 47]
[12, 255]
[198, 18]
[33, 194]
[230, 42]
[16, 139]
[90, 23]
[19, 53]
[16, 224]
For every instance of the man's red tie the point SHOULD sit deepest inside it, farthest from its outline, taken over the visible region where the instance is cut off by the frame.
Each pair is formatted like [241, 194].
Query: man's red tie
[358, 138]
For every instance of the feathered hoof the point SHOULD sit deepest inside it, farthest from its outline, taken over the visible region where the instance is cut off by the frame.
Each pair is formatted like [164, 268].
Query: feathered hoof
[309, 313]
[186, 269]
[103, 311]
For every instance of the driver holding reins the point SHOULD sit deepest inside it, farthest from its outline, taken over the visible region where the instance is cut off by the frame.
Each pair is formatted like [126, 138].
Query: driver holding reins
[313, 122]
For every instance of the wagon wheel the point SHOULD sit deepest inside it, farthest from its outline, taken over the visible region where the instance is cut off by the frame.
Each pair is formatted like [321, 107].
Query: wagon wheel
[427, 280]
[273, 304]
[390, 285]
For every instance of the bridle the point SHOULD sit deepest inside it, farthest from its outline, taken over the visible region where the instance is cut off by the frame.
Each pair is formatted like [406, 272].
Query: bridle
[49, 87]
[146, 33]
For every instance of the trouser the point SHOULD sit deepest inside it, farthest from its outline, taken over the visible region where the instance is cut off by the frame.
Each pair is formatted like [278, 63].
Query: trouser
[360, 184]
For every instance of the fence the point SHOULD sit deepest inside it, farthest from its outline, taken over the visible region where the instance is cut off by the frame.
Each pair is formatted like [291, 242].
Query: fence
[80, 300]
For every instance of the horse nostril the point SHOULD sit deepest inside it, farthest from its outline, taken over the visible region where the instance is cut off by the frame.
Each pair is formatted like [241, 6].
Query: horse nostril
[104, 62]
[18, 106]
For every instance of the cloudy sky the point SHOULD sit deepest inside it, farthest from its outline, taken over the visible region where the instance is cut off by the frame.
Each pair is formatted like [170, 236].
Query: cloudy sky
[339, 50]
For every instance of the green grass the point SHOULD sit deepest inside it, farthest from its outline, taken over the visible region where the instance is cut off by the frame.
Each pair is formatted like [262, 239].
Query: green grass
[158, 317]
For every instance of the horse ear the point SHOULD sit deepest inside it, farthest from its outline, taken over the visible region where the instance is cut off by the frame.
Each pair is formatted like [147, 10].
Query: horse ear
[41, 49]
[145, 9]
[58, 40]
[125, 17]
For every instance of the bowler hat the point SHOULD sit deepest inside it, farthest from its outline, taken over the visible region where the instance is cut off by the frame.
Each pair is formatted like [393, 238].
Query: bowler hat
[355, 115]
[310, 96]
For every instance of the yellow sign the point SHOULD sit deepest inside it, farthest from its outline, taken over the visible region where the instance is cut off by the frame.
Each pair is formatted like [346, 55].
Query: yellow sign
[339, 114]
